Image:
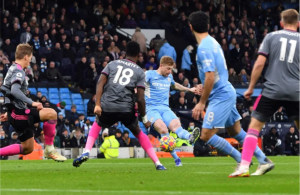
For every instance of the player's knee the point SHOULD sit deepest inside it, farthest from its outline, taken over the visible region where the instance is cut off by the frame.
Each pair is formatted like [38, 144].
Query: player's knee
[52, 114]
[175, 124]
[27, 150]
[136, 131]
[164, 131]
[204, 138]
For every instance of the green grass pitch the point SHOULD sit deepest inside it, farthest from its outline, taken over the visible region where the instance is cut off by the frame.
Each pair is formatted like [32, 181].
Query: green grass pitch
[197, 176]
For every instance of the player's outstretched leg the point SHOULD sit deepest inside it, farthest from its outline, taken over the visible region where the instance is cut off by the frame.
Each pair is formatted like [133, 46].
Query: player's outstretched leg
[161, 127]
[175, 126]
[11, 150]
[194, 135]
[146, 145]
[210, 136]
[93, 135]
[50, 117]
[265, 164]
[177, 160]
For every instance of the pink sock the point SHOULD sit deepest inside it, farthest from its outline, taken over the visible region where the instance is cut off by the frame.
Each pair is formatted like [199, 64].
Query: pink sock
[249, 146]
[93, 134]
[146, 145]
[49, 131]
[11, 150]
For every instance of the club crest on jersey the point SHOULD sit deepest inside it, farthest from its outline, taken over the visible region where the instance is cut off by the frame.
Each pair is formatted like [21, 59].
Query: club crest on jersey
[169, 79]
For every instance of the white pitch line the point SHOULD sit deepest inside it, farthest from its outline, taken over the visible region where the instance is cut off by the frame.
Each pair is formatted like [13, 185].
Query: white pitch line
[138, 192]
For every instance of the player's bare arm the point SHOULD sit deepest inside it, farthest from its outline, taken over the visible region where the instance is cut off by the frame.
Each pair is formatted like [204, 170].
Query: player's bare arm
[199, 89]
[179, 87]
[256, 72]
[100, 86]
[208, 86]
[142, 106]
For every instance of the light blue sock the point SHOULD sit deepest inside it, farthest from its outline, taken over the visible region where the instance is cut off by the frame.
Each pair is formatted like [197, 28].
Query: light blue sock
[182, 133]
[257, 153]
[224, 146]
[173, 153]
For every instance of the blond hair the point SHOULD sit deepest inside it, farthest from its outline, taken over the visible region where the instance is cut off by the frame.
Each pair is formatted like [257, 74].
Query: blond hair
[167, 61]
[290, 16]
[23, 50]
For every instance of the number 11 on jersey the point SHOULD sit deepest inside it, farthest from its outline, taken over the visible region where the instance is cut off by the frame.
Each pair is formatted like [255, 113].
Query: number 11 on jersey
[283, 49]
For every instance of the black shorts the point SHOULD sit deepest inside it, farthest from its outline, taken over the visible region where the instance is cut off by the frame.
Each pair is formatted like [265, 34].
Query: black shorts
[22, 120]
[265, 107]
[107, 119]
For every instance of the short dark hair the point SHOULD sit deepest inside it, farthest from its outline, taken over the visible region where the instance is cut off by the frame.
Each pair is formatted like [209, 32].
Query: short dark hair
[199, 21]
[132, 49]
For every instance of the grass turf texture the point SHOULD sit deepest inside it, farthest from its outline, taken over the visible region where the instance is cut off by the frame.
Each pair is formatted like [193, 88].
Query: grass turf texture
[197, 176]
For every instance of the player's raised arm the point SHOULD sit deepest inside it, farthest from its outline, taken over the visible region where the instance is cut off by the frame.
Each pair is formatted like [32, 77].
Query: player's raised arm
[179, 87]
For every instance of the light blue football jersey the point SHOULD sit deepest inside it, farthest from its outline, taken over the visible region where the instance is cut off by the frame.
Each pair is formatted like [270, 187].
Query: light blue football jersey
[210, 58]
[157, 88]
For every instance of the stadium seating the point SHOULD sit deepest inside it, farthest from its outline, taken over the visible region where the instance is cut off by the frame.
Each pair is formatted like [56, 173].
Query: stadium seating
[92, 118]
[65, 96]
[76, 96]
[68, 107]
[79, 107]
[77, 102]
[68, 101]
[32, 91]
[64, 90]
[85, 101]
[43, 90]
[54, 100]
[53, 96]
[53, 90]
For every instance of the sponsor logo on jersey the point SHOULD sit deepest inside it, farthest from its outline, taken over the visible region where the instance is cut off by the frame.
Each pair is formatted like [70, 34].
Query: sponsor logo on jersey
[207, 62]
[19, 76]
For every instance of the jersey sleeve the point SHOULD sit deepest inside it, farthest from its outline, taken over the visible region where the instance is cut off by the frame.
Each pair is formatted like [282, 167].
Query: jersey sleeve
[141, 80]
[172, 80]
[264, 48]
[148, 76]
[206, 58]
[106, 70]
[18, 76]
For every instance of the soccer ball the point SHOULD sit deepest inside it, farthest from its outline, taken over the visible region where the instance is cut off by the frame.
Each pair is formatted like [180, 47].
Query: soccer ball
[167, 143]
